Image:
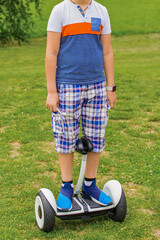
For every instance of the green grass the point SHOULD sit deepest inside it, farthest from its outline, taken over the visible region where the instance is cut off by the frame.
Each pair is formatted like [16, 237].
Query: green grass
[127, 17]
[28, 161]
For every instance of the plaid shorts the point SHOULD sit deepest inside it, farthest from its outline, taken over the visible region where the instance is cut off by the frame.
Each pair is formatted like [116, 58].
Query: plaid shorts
[87, 102]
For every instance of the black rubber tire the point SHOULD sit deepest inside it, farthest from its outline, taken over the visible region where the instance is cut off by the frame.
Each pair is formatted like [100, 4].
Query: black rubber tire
[118, 213]
[49, 214]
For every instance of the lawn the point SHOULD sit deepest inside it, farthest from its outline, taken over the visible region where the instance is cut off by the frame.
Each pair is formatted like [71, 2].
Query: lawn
[29, 162]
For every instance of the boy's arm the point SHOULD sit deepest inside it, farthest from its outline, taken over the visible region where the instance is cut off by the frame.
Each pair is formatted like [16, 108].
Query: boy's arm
[108, 60]
[53, 43]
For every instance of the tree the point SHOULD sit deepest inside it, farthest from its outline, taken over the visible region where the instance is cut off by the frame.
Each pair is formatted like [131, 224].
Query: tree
[16, 19]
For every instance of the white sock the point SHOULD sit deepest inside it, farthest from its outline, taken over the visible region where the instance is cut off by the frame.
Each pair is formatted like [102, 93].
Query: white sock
[87, 183]
[70, 184]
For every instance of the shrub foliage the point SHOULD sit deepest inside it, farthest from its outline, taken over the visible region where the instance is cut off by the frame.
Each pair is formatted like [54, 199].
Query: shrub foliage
[16, 19]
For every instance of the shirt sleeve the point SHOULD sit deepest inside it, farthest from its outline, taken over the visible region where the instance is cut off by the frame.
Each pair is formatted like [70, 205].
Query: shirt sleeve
[106, 24]
[55, 22]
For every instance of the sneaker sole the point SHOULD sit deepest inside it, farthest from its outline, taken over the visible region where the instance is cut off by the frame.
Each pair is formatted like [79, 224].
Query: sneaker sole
[100, 203]
[87, 196]
[64, 209]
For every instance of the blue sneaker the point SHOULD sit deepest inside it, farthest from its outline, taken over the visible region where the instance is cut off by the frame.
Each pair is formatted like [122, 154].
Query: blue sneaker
[64, 201]
[95, 194]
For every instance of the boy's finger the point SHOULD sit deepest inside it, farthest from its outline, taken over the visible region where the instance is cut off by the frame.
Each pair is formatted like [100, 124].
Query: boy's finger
[112, 104]
[47, 106]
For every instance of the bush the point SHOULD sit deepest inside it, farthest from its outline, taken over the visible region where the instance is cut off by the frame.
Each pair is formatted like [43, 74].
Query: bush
[16, 19]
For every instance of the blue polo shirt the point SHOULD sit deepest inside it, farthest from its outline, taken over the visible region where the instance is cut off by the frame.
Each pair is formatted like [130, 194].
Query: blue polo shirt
[80, 57]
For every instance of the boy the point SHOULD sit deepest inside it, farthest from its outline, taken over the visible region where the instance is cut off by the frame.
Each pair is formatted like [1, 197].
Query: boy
[78, 50]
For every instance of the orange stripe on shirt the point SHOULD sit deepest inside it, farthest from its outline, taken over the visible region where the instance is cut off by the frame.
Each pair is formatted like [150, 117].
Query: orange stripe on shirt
[79, 28]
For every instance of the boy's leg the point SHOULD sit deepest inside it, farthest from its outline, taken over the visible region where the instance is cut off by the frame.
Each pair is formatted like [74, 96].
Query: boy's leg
[94, 121]
[89, 185]
[92, 164]
[66, 125]
[66, 165]
[64, 201]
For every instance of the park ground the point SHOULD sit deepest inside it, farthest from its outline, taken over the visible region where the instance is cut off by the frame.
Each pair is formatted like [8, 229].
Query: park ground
[28, 161]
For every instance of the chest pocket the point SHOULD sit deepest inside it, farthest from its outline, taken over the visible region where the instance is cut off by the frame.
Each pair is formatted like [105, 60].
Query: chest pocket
[96, 24]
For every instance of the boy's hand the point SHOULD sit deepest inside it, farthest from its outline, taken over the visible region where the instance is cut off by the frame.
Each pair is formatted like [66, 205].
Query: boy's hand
[52, 102]
[111, 97]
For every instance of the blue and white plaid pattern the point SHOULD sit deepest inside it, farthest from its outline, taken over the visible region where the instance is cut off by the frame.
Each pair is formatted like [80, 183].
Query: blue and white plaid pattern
[88, 102]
